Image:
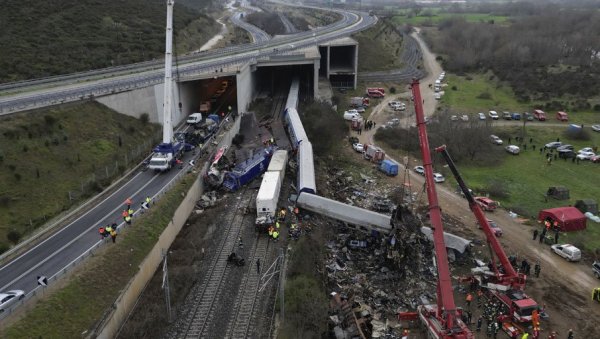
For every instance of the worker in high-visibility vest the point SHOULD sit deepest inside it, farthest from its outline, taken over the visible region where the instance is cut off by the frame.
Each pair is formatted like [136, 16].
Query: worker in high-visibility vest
[130, 212]
[128, 220]
[270, 231]
[277, 225]
[275, 235]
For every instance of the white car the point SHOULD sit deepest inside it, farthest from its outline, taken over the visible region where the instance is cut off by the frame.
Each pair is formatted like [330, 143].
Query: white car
[481, 116]
[553, 144]
[360, 109]
[454, 117]
[596, 128]
[493, 115]
[358, 147]
[351, 114]
[512, 149]
[437, 96]
[586, 149]
[420, 170]
[394, 103]
[496, 140]
[567, 251]
[437, 177]
[464, 117]
[585, 155]
[7, 299]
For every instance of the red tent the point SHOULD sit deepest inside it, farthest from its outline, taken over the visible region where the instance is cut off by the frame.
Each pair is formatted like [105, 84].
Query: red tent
[569, 218]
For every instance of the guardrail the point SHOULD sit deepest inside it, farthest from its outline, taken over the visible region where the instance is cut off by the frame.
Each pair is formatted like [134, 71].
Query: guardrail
[40, 290]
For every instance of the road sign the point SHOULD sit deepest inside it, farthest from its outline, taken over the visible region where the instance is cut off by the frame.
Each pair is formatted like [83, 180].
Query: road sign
[42, 280]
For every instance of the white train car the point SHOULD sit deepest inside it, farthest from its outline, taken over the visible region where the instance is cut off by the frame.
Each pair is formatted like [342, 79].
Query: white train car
[278, 163]
[294, 126]
[306, 169]
[292, 99]
[268, 195]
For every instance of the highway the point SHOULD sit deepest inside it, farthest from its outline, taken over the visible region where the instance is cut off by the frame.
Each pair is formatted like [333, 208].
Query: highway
[20, 96]
[68, 243]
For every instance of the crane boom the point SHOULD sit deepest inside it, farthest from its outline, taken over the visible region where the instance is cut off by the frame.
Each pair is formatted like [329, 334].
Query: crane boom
[446, 313]
[510, 276]
[168, 95]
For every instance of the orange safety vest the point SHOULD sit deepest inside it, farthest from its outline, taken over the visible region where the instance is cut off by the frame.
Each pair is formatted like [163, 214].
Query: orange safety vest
[125, 213]
[101, 230]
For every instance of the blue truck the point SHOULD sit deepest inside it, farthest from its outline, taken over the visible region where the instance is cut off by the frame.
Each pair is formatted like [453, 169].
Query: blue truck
[248, 170]
[389, 167]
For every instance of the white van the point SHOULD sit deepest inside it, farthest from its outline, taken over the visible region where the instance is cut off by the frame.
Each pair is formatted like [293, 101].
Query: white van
[194, 118]
[351, 114]
[569, 252]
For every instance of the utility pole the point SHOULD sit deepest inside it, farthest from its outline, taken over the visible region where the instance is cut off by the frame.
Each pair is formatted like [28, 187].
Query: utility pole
[165, 286]
[282, 284]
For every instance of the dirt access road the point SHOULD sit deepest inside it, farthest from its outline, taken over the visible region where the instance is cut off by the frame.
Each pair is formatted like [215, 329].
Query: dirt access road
[565, 288]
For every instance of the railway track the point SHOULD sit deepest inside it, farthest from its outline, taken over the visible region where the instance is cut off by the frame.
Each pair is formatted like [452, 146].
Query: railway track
[242, 314]
[200, 307]
[279, 100]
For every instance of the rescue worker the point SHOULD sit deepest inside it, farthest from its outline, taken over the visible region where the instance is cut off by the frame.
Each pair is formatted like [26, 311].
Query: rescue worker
[275, 235]
[270, 231]
[125, 214]
[113, 235]
[108, 229]
[130, 212]
[277, 225]
[128, 220]
[469, 298]
[535, 234]
[282, 213]
[596, 294]
[552, 335]
[525, 335]
[148, 200]
[101, 231]
[536, 269]
[128, 202]
[405, 333]
[571, 335]
[479, 321]
[229, 109]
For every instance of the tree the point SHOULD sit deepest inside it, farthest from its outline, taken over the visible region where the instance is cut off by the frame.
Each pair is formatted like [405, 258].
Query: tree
[13, 236]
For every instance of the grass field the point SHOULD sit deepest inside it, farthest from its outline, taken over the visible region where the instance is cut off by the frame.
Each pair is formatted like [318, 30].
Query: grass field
[480, 94]
[527, 177]
[48, 153]
[380, 49]
[75, 308]
[438, 17]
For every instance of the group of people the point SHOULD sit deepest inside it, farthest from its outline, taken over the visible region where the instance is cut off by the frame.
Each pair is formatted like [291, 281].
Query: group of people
[549, 225]
[369, 124]
[293, 222]
[109, 230]
[127, 214]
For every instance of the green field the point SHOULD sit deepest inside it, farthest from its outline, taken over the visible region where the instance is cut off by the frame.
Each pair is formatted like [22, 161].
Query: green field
[480, 94]
[438, 17]
[471, 96]
[527, 177]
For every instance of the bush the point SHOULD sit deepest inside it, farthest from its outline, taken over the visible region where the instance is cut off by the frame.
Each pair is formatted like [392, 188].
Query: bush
[485, 96]
[454, 88]
[13, 236]
[597, 107]
[145, 118]
[497, 189]
[50, 120]
[392, 90]
[3, 247]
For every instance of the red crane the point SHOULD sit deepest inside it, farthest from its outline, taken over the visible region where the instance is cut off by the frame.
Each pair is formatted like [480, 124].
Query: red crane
[506, 284]
[442, 320]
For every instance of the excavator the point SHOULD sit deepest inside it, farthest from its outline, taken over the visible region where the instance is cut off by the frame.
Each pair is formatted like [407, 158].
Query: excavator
[501, 281]
[442, 320]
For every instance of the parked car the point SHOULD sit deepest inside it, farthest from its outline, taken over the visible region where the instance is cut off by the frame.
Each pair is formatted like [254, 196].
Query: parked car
[438, 177]
[565, 147]
[596, 128]
[481, 116]
[539, 114]
[567, 251]
[394, 103]
[420, 170]
[464, 117]
[554, 144]
[496, 140]
[513, 149]
[506, 116]
[515, 116]
[360, 109]
[567, 154]
[585, 155]
[562, 116]
[437, 96]
[486, 204]
[454, 117]
[493, 115]
[585, 149]
[528, 116]
[495, 228]
[351, 114]
[7, 299]
[358, 147]
[596, 269]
